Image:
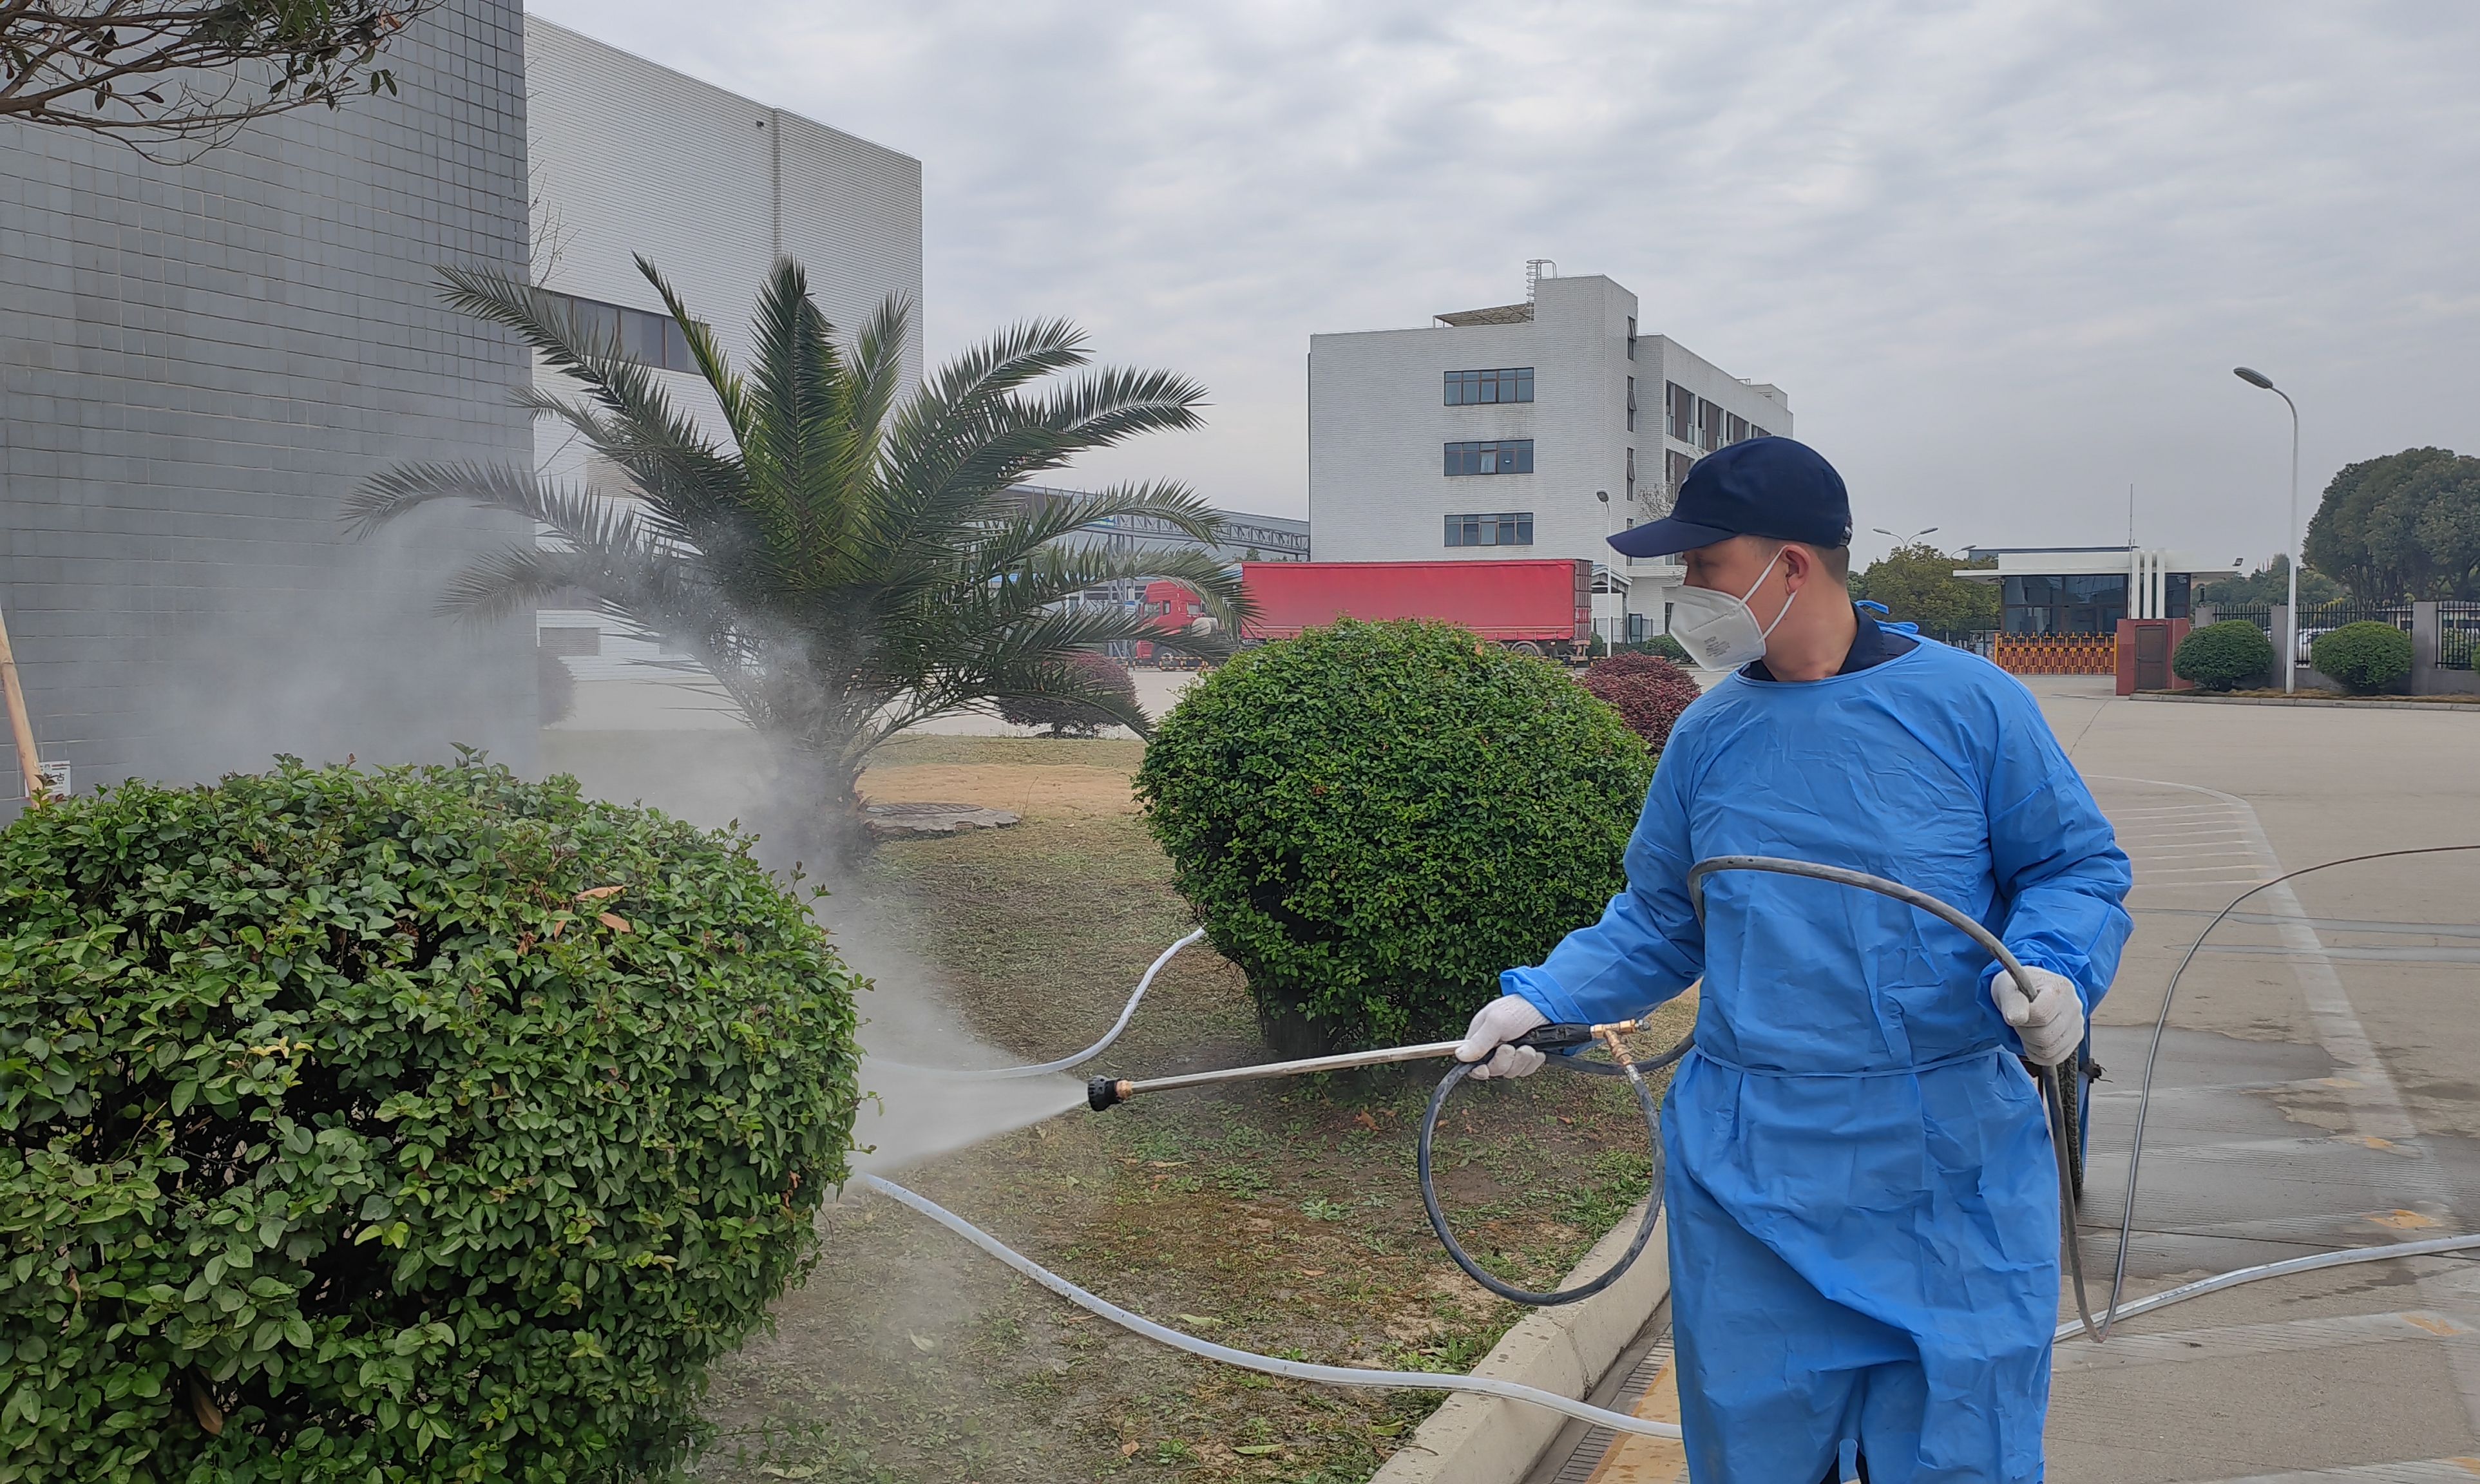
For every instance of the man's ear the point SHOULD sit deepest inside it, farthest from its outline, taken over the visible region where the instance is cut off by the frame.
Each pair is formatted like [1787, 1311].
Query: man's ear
[1799, 566]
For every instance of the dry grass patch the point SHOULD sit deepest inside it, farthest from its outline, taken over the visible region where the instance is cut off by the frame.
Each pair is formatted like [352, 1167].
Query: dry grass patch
[1281, 1218]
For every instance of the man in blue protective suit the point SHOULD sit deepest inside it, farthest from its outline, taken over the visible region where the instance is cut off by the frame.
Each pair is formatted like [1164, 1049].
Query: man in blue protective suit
[1863, 1200]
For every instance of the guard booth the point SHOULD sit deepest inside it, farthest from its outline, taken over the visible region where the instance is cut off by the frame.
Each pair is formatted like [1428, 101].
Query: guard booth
[2065, 610]
[2144, 650]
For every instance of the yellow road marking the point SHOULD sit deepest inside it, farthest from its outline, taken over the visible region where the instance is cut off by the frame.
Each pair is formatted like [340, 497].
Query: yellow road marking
[1641, 1460]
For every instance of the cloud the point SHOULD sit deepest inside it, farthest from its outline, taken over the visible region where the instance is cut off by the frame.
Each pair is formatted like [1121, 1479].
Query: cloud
[2000, 254]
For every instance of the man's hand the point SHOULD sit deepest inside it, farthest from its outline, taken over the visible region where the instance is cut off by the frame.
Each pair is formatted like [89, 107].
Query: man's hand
[1500, 1021]
[2051, 1022]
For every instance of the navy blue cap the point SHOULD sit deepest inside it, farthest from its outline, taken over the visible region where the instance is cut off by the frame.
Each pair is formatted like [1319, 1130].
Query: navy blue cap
[1773, 487]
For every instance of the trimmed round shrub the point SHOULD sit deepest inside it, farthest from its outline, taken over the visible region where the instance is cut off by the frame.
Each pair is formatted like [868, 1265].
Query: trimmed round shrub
[1647, 690]
[1074, 718]
[1373, 820]
[2224, 656]
[2365, 657]
[418, 1124]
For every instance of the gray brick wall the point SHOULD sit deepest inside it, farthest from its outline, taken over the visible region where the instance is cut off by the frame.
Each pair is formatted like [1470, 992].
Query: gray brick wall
[198, 361]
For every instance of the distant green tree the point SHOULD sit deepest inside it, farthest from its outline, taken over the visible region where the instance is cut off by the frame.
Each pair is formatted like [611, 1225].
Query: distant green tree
[2271, 584]
[1918, 585]
[2402, 527]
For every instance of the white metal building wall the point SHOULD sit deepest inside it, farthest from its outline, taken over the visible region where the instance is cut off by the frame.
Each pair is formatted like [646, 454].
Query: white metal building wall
[630, 158]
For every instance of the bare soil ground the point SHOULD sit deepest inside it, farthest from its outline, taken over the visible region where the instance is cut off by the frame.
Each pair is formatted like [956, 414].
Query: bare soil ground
[1279, 1216]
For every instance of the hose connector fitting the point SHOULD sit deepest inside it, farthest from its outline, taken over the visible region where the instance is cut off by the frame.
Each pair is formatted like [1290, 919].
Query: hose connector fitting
[1102, 1092]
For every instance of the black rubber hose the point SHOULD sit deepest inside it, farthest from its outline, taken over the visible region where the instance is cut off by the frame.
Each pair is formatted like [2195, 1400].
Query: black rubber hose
[1634, 1074]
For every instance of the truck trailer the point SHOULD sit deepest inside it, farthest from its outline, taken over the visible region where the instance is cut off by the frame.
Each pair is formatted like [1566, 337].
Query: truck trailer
[1540, 607]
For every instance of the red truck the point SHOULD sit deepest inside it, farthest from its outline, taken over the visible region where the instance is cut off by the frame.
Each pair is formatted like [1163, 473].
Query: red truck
[1541, 607]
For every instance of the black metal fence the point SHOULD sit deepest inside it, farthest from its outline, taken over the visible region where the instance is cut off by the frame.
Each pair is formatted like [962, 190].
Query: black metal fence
[2350, 610]
[2257, 613]
[2457, 635]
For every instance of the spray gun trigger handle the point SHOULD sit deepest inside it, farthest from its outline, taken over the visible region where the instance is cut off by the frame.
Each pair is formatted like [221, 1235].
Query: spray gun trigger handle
[1555, 1038]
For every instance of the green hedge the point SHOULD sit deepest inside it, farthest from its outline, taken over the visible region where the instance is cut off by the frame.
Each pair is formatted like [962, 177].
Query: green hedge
[2224, 656]
[1074, 718]
[2365, 657]
[1374, 819]
[408, 1125]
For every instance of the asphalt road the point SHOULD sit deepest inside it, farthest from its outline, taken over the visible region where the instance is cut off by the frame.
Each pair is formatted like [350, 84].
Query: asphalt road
[2319, 1088]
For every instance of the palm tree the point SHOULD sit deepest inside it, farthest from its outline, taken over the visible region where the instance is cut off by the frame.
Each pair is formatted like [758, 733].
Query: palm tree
[852, 564]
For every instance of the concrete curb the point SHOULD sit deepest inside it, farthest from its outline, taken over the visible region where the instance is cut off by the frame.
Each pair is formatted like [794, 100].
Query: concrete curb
[1489, 1440]
[2373, 704]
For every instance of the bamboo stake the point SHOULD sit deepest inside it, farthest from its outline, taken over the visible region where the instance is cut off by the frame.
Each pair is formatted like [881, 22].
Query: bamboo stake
[38, 783]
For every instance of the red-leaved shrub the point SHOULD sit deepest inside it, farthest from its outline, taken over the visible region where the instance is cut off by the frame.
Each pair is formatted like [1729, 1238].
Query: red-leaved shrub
[1647, 690]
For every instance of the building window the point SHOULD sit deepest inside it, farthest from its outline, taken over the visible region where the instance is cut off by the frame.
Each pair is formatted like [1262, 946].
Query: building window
[1680, 412]
[1507, 384]
[1709, 426]
[1755, 431]
[1498, 456]
[1631, 404]
[1631, 477]
[1677, 465]
[1631, 337]
[1739, 428]
[652, 338]
[1514, 529]
[2064, 604]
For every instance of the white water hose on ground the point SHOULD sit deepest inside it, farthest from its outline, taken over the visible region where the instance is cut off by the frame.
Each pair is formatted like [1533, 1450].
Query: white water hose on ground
[1247, 1360]
[1127, 1013]
[1602, 1417]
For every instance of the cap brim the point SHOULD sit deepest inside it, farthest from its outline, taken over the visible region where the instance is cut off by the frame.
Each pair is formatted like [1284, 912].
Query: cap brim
[1667, 537]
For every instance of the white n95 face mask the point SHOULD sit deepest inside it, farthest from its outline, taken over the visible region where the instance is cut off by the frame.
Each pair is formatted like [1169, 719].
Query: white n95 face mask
[1719, 631]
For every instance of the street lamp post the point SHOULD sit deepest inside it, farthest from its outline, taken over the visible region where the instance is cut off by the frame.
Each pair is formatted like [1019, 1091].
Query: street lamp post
[1914, 536]
[1609, 579]
[2290, 641]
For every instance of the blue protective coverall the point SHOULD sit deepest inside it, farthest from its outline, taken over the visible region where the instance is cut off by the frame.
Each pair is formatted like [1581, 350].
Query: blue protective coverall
[1863, 1200]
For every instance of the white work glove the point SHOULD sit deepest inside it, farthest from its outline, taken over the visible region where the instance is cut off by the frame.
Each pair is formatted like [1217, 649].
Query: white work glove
[2051, 1022]
[1500, 1021]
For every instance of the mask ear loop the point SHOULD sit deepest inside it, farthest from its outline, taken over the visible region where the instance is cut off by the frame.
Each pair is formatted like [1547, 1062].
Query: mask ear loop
[1788, 598]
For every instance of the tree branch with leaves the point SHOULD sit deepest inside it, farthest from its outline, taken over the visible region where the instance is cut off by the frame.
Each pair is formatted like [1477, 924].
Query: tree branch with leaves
[174, 78]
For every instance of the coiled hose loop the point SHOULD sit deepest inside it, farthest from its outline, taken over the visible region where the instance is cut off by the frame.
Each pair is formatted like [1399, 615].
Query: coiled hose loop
[1634, 1073]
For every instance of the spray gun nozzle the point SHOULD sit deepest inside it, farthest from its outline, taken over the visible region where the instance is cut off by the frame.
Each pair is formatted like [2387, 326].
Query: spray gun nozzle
[1102, 1092]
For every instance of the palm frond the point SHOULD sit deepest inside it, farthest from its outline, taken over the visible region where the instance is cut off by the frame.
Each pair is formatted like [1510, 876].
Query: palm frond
[579, 515]
[937, 463]
[674, 464]
[704, 350]
[1115, 402]
[1010, 540]
[878, 363]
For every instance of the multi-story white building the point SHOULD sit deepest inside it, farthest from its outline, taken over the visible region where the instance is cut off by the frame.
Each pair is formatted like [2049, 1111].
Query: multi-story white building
[1541, 428]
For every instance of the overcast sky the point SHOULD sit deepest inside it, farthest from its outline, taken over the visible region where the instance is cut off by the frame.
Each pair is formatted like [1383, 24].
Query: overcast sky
[2001, 256]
